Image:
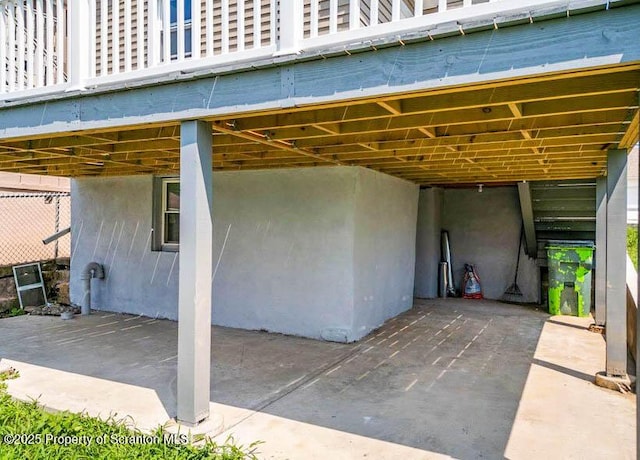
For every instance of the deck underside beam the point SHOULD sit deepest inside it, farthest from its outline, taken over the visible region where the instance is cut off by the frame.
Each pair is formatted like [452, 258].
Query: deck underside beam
[442, 114]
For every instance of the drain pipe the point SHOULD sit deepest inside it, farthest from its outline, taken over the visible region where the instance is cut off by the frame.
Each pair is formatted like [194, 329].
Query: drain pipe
[92, 270]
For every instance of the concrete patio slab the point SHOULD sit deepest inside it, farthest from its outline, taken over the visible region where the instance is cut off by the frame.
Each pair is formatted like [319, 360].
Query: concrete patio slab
[449, 378]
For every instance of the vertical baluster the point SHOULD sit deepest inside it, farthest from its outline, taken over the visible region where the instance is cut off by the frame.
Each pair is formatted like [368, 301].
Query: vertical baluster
[3, 48]
[128, 42]
[240, 25]
[257, 24]
[153, 34]
[291, 30]
[395, 10]
[273, 23]
[196, 28]
[333, 16]
[225, 26]
[374, 12]
[29, 13]
[93, 40]
[140, 34]
[115, 36]
[20, 42]
[180, 29]
[315, 5]
[104, 37]
[39, 43]
[209, 26]
[80, 32]
[418, 8]
[49, 44]
[442, 5]
[166, 31]
[11, 28]
[354, 14]
[60, 38]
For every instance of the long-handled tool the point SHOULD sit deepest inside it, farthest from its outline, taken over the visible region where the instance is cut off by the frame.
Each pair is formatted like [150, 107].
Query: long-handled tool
[513, 292]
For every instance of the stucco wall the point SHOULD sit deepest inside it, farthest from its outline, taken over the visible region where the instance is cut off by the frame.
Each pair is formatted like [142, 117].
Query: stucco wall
[484, 229]
[428, 243]
[384, 257]
[283, 247]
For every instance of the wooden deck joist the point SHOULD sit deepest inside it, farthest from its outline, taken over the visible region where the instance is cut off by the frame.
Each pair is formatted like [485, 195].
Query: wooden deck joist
[550, 127]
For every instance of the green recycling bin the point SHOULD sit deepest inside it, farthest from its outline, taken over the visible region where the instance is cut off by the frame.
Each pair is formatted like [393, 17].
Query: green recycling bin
[570, 264]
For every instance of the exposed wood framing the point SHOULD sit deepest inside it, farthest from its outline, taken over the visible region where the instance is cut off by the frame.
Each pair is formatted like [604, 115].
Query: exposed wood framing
[539, 128]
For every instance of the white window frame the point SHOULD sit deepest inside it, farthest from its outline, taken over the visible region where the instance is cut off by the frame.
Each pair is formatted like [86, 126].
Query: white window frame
[164, 211]
[160, 211]
[27, 287]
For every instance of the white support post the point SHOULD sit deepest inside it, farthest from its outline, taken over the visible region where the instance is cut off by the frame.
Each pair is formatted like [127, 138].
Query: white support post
[21, 44]
[418, 8]
[313, 26]
[153, 34]
[374, 13]
[80, 29]
[196, 263]
[257, 24]
[196, 28]
[180, 41]
[140, 34]
[225, 27]
[601, 251]
[291, 31]
[209, 25]
[240, 25]
[616, 314]
[166, 31]
[395, 10]
[354, 14]
[128, 39]
[104, 37]
[29, 17]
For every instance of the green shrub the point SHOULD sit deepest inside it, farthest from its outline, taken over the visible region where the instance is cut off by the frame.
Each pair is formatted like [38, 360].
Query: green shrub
[15, 311]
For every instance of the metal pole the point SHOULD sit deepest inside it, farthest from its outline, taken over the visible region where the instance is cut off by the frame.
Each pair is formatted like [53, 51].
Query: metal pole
[57, 229]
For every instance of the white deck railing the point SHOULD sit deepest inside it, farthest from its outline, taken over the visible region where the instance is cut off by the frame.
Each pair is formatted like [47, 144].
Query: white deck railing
[59, 45]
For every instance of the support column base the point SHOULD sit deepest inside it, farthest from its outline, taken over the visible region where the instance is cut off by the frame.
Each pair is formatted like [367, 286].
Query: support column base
[615, 383]
[212, 425]
[596, 328]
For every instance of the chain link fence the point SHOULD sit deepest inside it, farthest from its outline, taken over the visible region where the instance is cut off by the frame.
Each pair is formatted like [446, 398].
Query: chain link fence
[28, 218]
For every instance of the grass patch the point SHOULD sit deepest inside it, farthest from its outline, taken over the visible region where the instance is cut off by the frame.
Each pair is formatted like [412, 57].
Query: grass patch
[632, 244]
[27, 431]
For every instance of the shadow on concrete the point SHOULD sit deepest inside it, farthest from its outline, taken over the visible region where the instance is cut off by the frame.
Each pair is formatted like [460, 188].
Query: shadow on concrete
[561, 323]
[565, 370]
[446, 376]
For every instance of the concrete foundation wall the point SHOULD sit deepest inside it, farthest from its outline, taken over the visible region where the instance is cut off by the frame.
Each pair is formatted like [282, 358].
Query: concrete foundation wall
[428, 243]
[287, 264]
[386, 210]
[484, 229]
[283, 249]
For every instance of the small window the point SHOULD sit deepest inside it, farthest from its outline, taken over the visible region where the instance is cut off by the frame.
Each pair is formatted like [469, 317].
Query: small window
[166, 214]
